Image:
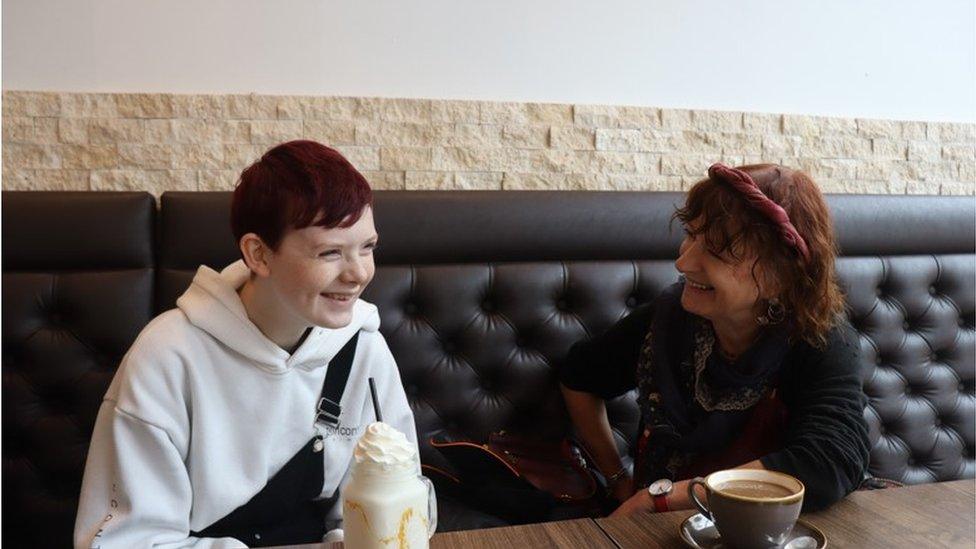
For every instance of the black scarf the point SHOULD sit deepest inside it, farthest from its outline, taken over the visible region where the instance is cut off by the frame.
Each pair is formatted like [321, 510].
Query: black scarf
[692, 400]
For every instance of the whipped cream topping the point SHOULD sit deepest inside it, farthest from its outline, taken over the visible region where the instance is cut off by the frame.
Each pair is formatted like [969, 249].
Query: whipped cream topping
[383, 447]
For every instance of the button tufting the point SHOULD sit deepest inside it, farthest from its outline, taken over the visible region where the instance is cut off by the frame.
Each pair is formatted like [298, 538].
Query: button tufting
[487, 306]
[911, 461]
[877, 360]
[906, 326]
[450, 347]
[631, 301]
[908, 390]
[932, 290]
[410, 308]
[938, 422]
[562, 305]
[878, 292]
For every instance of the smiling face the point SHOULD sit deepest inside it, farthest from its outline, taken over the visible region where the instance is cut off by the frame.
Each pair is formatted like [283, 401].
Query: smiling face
[718, 286]
[316, 274]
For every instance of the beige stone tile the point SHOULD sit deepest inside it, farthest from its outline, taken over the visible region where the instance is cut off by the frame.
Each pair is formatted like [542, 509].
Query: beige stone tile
[385, 181]
[474, 159]
[29, 103]
[525, 137]
[879, 129]
[837, 126]
[612, 116]
[239, 106]
[160, 181]
[800, 125]
[965, 188]
[401, 133]
[486, 181]
[16, 155]
[18, 179]
[405, 158]
[836, 147]
[200, 106]
[18, 129]
[331, 132]
[514, 181]
[781, 145]
[364, 158]
[145, 105]
[924, 150]
[73, 131]
[158, 156]
[889, 148]
[46, 130]
[717, 121]
[923, 187]
[119, 180]
[676, 119]
[548, 114]
[107, 131]
[44, 180]
[695, 165]
[618, 139]
[405, 110]
[459, 112]
[217, 180]
[951, 132]
[429, 181]
[504, 113]
[239, 156]
[959, 152]
[88, 105]
[272, 132]
[762, 123]
[198, 156]
[572, 138]
[475, 135]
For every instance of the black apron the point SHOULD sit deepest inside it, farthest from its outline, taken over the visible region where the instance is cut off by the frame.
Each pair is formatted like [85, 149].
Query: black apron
[285, 511]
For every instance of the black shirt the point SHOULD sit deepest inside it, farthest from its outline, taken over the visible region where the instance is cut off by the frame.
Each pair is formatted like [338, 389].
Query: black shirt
[826, 440]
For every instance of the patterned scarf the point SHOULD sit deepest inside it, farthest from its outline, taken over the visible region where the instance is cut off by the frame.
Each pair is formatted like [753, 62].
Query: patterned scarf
[692, 400]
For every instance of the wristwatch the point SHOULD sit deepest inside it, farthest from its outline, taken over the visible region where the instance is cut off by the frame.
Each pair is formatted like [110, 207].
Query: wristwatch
[659, 491]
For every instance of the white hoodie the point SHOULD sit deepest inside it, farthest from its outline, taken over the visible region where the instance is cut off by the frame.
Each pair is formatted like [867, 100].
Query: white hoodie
[205, 409]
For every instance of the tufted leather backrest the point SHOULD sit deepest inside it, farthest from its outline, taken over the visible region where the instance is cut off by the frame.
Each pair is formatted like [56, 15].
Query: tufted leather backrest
[482, 293]
[77, 288]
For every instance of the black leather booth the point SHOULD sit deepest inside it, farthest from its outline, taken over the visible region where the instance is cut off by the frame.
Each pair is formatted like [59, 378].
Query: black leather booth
[481, 294]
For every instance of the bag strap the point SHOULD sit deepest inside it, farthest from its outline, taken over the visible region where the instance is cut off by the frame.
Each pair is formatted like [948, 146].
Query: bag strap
[328, 409]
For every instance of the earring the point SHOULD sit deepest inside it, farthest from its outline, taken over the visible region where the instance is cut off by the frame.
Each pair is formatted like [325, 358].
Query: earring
[775, 313]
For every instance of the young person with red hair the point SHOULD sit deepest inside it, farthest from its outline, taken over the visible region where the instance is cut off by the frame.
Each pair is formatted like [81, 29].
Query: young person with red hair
[232, 419]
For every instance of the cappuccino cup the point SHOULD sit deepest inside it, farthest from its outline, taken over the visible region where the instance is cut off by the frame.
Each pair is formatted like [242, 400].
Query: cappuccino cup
[750, 507]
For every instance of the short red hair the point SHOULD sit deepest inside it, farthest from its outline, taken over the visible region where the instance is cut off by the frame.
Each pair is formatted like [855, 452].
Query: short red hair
[296, 185]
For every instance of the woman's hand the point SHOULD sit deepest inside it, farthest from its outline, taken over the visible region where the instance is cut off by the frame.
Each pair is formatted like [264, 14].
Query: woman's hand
[642, 501]
[623, 489]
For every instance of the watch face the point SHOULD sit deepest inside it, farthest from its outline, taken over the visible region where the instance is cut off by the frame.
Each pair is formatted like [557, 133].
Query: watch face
[660, 487]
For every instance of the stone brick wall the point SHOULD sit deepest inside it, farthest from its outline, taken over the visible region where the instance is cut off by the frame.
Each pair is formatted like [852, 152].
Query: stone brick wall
[160, 142]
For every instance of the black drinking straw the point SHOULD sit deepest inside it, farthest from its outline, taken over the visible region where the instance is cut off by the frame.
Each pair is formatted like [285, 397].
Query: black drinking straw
[376, 401]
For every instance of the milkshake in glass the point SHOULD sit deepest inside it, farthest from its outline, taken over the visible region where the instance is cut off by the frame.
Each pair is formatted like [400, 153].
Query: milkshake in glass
[387, 504]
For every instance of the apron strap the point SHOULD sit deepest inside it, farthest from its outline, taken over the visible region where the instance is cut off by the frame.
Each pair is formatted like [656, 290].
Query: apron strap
[328, 409]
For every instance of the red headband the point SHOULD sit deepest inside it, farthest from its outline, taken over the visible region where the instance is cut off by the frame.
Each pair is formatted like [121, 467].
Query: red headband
[742, 182]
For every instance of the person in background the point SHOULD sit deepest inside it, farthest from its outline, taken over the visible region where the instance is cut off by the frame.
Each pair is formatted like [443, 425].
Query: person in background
[232, 419]
[748, 361]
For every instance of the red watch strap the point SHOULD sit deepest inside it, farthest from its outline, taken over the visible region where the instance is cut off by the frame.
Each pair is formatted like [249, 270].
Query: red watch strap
[661, 504]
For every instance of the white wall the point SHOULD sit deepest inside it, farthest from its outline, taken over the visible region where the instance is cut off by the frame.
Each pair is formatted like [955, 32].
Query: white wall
[898, 59]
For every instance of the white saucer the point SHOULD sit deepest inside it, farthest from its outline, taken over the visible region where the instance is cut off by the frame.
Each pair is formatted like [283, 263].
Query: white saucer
[699, 532]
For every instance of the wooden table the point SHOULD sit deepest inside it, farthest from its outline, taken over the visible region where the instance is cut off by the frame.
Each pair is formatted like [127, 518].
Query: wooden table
[926, 515]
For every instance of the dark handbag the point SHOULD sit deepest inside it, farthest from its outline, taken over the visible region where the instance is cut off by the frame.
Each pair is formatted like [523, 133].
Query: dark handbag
[519, 478]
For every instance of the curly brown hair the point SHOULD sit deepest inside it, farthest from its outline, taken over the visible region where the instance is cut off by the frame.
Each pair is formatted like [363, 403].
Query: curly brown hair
[807, 289]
